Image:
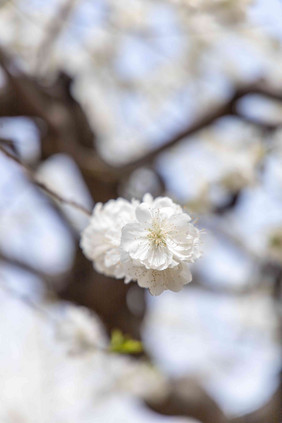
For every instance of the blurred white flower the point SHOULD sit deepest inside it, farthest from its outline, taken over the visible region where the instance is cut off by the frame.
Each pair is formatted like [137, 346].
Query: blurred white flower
[179, 334]
[100, 240]
[64, 388]
[80, 329]
[127, 375]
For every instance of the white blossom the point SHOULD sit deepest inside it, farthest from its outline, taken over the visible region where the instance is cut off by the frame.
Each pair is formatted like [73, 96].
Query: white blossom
[158, 281]
[100, 240]
[151, 243]
[162, 237]
[158, 245]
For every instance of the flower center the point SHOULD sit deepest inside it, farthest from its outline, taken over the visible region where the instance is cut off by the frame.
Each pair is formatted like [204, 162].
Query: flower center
[157, 236]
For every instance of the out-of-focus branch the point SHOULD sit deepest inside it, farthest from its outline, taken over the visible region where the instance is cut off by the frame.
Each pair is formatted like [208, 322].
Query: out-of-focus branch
[270, 412]
[24, 91]
[210, 116]
[8, 142]
[63, 120]
[23, 298]
[22, 264]
[91, 163]
[62, 200]
[42, 186]
[187, 397]
[88, 162]
[264, 126]
[55, 28]
[50, 280]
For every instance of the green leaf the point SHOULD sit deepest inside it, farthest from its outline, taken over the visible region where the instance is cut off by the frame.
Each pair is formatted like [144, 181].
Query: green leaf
[123, 344]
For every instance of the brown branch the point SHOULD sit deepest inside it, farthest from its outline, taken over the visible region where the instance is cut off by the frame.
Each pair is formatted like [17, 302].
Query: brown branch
[269, 412]
[8, 142]
[51, 281]
[67, 138]
[88, 162]
[66, 122]
[228, 108]
[24, 298]
[62, 200]
[55, 28]
[23, 88]
[266, 127]
[42, 186]
[12, 261]
[186, 397]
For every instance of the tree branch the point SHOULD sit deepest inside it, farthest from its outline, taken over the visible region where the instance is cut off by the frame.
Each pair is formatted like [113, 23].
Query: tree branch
[59, 117]
[225, 109]
[42, 186]
[55, 28]
[12, 261]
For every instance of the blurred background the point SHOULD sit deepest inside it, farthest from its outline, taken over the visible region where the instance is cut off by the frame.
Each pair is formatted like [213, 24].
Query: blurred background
[106, 98]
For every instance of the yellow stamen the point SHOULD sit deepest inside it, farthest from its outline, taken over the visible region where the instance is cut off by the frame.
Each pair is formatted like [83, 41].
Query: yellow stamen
[157, 236]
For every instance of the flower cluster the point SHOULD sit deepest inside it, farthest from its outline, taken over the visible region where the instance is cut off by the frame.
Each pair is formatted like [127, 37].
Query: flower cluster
[151, 242]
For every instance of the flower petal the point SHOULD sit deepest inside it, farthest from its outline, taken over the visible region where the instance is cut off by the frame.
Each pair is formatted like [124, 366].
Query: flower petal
[143, 213]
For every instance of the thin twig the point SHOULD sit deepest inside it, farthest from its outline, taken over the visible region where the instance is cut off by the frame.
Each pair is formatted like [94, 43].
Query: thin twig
[12, 261]
[24, 299]
[62, 200]
[42, 186]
